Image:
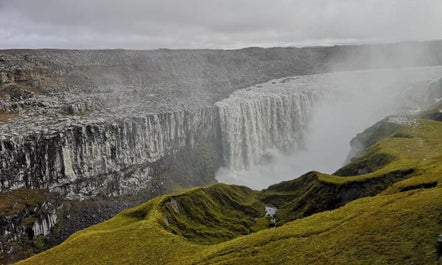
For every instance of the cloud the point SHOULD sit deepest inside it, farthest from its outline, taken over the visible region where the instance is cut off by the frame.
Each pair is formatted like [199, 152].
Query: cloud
[214, 24]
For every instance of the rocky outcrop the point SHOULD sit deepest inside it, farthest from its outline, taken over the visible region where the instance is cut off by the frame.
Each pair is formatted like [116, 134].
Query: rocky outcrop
[26, 217]
[42, 227]
[17, 226]
[18, 75]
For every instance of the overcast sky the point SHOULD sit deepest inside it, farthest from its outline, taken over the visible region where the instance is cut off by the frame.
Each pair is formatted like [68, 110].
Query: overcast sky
[150, 24]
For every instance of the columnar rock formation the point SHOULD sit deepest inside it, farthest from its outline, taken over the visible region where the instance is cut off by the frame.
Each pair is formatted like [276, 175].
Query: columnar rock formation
[107, 157]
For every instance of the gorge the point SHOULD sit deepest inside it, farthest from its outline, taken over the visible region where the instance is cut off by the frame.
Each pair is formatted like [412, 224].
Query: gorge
[102, 125]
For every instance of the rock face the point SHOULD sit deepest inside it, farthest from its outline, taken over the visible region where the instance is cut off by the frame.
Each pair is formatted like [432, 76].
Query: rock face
[116, 153]
[107, 123]
[43, 226]
[26, 217]
[14, 227]
[113, 122]
[107, 158]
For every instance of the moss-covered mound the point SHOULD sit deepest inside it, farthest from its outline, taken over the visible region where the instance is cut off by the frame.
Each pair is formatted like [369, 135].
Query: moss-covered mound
[390, 213]
[316, 192]
[213, 214]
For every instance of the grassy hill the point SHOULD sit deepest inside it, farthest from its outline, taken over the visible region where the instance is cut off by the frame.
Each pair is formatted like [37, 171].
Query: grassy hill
[385, 207]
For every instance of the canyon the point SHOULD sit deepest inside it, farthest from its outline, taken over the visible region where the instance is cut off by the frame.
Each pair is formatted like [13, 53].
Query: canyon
[116, 127]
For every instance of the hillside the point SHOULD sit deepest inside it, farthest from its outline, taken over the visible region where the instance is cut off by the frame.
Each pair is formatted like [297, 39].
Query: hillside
[382, 208]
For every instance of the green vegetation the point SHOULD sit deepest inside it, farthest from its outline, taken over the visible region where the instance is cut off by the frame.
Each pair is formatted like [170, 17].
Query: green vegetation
[365, 164]
[389, 211]
[14, 201]
[213, 214]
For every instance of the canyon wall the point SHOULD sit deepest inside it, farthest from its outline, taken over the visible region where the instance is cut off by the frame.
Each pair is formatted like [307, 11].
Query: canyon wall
[109, 122]
[107, 158]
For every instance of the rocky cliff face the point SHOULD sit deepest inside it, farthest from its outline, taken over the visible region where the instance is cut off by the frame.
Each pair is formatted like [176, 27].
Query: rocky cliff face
[26, 217]
[107, 122]
[104, 157]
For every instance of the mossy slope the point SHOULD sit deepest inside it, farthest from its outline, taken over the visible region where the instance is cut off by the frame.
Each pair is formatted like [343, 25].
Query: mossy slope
[314, 192]
[396, 224]
[213, 214]
[395, 229]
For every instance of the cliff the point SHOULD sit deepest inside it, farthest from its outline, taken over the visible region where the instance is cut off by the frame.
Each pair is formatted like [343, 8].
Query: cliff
[83, 123]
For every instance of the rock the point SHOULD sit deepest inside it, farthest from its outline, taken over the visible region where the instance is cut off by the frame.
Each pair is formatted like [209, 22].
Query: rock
[91, 158]
[439, 246]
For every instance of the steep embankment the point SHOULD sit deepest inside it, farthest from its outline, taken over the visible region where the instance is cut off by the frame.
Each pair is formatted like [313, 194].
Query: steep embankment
[397, 223]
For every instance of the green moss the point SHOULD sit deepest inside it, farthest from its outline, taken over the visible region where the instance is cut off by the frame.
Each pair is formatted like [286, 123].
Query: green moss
[213, 214]
[14, 201]
[40, 243]
[396, 229]
[402, 135]
[365, 164]
[261, 223]
[30, 221]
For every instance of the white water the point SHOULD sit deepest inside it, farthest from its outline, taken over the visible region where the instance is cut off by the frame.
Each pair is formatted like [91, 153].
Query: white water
[270, 213]
[259, 123]
[284, 128]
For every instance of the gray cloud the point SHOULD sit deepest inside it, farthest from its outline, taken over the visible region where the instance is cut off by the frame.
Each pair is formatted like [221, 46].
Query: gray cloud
[139, 24]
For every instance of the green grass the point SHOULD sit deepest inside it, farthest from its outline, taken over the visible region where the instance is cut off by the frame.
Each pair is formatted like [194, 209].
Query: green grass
[395, 229]
[390, 215]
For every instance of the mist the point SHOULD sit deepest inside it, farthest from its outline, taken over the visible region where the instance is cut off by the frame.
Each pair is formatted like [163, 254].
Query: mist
[353, 101]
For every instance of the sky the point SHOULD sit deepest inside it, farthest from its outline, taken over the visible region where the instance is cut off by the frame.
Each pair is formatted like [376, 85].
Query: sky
[225, 24]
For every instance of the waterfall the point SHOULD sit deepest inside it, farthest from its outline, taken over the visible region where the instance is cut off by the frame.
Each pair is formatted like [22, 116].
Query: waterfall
[260, 122]
[284, 128]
